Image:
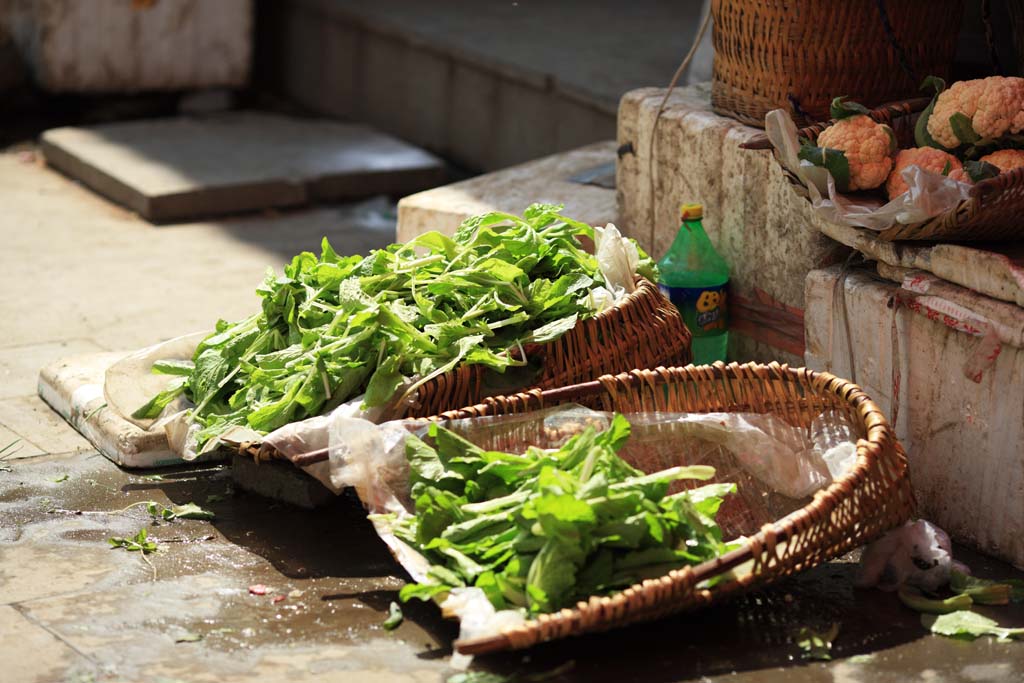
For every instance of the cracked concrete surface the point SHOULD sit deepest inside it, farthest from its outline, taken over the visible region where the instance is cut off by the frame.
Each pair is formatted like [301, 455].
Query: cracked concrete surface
[83, 275]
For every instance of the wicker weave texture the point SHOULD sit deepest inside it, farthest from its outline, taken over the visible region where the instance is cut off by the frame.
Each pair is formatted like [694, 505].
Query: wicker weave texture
[645, 330]
[992, 213]
[870, 499]
[772, 54]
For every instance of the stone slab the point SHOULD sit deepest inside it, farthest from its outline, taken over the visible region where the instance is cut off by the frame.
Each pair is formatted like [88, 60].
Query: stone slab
[32, 654]
[280, 481]
[39, 426]
[963, 438]
[186, 167]
[74, 388]
[513, 189]
[995, 270]
[761, 228]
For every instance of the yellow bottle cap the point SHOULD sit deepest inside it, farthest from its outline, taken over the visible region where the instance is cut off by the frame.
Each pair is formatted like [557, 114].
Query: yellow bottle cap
[689, 212]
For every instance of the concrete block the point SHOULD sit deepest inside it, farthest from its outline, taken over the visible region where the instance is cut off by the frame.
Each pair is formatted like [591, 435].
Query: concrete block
[996, 270]
[512, 190]
[339, 96]
[102, 46]
[74, 388]
[180, 168]
[963, 438]
[280, 481]
[304, 66]
[382, 84]
[761, 228]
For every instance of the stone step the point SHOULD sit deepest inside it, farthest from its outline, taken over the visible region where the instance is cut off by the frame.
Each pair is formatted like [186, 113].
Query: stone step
[547, 180]
[487, 85]
[190, 167]
[963, 426]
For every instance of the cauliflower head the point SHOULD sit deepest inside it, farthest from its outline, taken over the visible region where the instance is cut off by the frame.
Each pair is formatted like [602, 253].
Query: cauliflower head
[994, 106]
[868, 146]
[925, 158]
[1006, 159]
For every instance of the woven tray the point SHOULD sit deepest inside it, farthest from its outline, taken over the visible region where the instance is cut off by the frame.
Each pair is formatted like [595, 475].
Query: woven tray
[873, 497]
[992, 213]
[645, 330]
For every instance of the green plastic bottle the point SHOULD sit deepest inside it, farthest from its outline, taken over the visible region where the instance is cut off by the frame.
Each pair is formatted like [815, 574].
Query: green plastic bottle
[694, 277]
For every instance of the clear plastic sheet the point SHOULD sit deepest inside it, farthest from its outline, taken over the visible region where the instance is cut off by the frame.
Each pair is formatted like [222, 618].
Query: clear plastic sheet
[776, 466]
[929, 194]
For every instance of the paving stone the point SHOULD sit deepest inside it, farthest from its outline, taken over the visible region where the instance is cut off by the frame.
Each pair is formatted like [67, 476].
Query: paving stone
[29, 415]
[188, 167]
[15, 445]
[20, 364]
[31, 654]
[513, 189]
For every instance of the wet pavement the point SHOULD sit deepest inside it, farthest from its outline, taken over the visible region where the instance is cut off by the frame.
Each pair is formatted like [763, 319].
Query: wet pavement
[72, 609]
[188, 614]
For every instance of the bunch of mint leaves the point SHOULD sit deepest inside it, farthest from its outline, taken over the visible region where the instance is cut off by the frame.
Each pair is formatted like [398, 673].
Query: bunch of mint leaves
[547, 528]
[334, 327]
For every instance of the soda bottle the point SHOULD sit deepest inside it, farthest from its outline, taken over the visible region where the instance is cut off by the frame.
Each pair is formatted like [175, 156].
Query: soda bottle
[694, 278]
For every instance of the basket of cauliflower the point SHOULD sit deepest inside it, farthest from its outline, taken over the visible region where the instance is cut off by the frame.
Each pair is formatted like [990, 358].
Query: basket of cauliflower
[967, 144]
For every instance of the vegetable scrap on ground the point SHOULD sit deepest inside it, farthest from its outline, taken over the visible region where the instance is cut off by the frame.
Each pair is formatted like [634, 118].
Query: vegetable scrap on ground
[544, 529]
[335, 327]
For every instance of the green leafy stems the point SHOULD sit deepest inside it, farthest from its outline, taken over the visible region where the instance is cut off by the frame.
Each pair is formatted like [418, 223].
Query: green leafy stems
[333, 327]
[544, 529]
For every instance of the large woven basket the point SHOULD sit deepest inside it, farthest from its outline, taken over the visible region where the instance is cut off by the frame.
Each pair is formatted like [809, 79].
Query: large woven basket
[799, 54]
[645, 330]
[991, 213]
[872, 497]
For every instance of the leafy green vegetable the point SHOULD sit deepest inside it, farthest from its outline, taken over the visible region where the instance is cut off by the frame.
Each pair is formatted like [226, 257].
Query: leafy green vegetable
[916, 600]
[921, 135]
[395, 617]
[987, 591]
[980, 170]
[969, 625]
[137, 543]
[842, 108]
[334, 327]
[547, 528]
[833, 160]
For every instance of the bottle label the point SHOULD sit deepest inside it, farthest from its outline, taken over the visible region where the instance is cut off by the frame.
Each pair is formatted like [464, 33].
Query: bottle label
[703, 308]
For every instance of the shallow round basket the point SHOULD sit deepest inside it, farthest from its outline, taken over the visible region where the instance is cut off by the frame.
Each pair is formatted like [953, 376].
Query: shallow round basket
[643, 331]
[991, 213]
[871, 498]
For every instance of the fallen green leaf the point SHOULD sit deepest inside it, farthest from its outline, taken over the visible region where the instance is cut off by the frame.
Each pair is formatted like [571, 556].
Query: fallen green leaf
[138, 542]
[915, 600]
[478, 677]
[191, 511]
[61, 479]
[395, 617]
[188, 637]
[968, 625]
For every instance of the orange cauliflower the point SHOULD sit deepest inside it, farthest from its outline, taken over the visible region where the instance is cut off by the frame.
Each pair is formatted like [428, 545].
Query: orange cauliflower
[925, 158]
[990, 108]
[1006, 159]
[961, 175]
[868, 147]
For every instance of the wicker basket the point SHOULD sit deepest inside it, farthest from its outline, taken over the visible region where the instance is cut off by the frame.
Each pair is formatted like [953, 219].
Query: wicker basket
[992, 213]
[645, 330]
[873, 497]
[799, 54]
